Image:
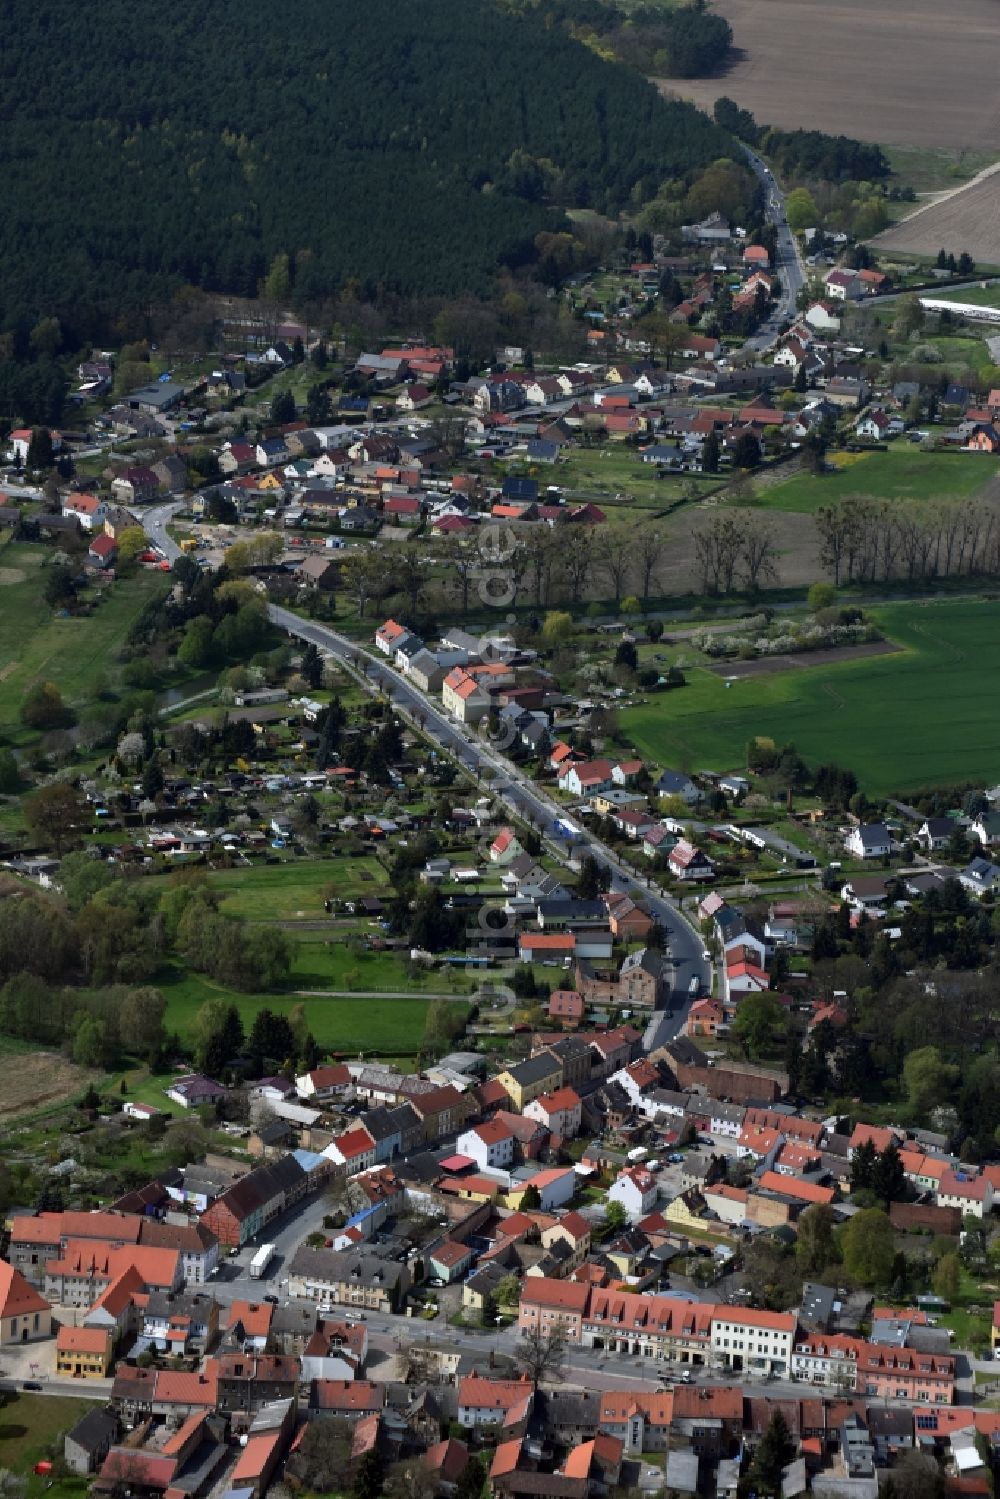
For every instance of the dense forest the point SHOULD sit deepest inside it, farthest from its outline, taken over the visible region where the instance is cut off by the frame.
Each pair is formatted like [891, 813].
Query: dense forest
[689, 41]
[805, 154]
[410, 148]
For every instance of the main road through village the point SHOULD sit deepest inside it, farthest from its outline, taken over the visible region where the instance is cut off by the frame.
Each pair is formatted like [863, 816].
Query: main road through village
[508, 783]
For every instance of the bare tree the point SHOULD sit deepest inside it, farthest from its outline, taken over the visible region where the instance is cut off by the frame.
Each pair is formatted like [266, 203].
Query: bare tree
[541, 560]
[613, 550]
[760, 552]
[541, 1351]
[650, 551]
[717, 547]
[576, 559]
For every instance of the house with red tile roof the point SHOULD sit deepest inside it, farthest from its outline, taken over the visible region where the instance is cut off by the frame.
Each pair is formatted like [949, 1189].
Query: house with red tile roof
[567, 1007]
[388, 636]
[972, 1194]
[348, 1398]
[463, 697]
[505, 1403]
[505, 847]
[636, 1190]
[560, 1112]
[490, 1145]
[24, 1313]
[586, 778]
[354, 1150]
[794, 1187]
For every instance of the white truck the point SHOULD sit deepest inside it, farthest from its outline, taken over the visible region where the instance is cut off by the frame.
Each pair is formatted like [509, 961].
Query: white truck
[261, 1260]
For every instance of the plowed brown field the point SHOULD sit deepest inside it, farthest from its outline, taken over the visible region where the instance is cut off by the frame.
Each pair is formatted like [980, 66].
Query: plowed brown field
[965, 220]
[899, 72]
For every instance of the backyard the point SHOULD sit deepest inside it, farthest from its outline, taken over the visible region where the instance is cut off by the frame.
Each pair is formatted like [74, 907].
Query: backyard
[31, 1429]
[926, 714]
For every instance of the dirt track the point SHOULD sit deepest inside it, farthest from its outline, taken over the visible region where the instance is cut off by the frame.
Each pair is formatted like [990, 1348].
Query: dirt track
[767, 664]
[913, 72]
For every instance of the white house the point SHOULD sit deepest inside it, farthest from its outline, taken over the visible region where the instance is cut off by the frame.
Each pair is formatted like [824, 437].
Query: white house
[744, 1338]
[820, 315]
[588, 779]
[869, 840]
[490, 1145]
[559, 1111]
[636, 1190]
[505, 847]
[354, 1149]
[87, 509]
[689, 863]
[987, 828]
[980, 877]
[935, 832]
[970, 1194]
[556, 1187]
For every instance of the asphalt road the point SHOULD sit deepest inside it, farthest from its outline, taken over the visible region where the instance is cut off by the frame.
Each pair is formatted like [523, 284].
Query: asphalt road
[509, 784]
[788, 264]
[155, 521]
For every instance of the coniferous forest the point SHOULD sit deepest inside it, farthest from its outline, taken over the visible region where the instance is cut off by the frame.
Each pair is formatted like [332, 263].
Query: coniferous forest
[408, 147]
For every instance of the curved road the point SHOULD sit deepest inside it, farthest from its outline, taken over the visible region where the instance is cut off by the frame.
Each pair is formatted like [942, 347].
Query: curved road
[524, 798]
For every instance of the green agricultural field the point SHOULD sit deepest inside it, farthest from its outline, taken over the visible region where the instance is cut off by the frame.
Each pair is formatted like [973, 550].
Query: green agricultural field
[74, 652]
[928, 714]
[903, 471]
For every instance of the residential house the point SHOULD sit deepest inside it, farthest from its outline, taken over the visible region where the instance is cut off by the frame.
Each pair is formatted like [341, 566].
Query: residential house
[560, 1112]
[87, 509]
[688, 863]
[636, 1190]
[348, 1278]
[24, 1313]
[490, 1145]
[870, 840]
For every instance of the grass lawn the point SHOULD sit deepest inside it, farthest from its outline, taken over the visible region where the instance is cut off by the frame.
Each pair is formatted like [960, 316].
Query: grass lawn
[970, 1316]
[384, 1027]
[72, 652]
[29, 1424]
[931, 171]
[602, 473]
[958, 354]
[293, 890]
[977, 296]
[903, 472]
[929, 714]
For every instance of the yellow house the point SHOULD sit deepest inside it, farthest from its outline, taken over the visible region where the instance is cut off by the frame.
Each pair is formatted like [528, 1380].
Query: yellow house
[24, 1314]
[684, 1210]
[269, 481]
[528, 1080]
[83, 1352]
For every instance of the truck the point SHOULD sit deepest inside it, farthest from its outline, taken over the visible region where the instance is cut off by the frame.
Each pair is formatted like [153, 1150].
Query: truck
[694, 988]
[261, 1260]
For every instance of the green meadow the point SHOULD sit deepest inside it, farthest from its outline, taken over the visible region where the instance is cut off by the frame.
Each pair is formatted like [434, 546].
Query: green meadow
[904, 471]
